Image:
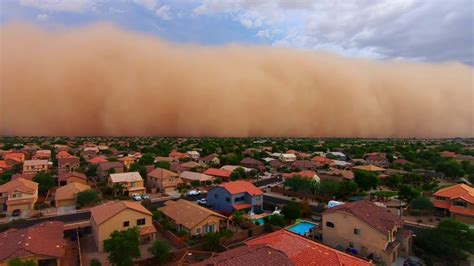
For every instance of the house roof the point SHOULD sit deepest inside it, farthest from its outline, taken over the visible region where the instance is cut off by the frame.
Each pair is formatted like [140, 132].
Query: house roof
[305, 174]
[161, 173]
[250, 161]
[248, 255]
[109, 165]
[217, 172]
[303, 164]
[19, 184]
[45, 239]
[28, 176]
[242, 206]
[4, 165]
[187, 213]
[190, 164]
[373, 215]
[70, 190]
[375, 158]
[177, 154]
[63, 154]
[302, 251]
[321, 159]
[70, 160]
[208, 158]
[240, 186]
[65, 176]
[288, 155]
[369, 168]
[35, 162]
[126, 177]
[104, 212]
[462, 191]
[195, 176]
[97, 160]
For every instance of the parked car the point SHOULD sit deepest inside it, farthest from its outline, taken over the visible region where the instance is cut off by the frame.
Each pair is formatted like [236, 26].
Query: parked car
[202, 202]
[145, 197]
[136, 197]
[194, 192]
[16, 213]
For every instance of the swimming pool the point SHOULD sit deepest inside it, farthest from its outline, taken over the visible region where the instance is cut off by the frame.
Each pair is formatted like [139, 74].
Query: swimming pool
[301, 228]
[259, 220]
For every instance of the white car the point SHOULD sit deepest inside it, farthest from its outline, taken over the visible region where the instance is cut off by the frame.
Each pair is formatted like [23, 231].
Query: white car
[194, 192]
[136, 197]
[145, 197]
[202, 202]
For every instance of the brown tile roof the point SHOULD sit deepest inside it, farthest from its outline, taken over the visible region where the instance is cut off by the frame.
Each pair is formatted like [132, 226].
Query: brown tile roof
[19, 184]
[302, 251]
[28, 176]
[107, 210]
[462, 191]
[373, 215]
[187, 213]
[208, 158]
[161, 173]
[70, 191]
[249, 255]
[240, 186]
[250, 161]
[68, 160]
[303, 164]
[45, 239]
[65, 176]
[109, 165]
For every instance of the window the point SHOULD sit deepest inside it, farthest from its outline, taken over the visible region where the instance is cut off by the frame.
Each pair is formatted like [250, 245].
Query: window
[440, 198]
[16, 195]
[356, 231]
[329, 224]
[460, 203]
[227, 199]
[351, 245]
[126, 224]
[141, 221]
[258, 198]
[215, 196]
[133, 184]
[198, 230]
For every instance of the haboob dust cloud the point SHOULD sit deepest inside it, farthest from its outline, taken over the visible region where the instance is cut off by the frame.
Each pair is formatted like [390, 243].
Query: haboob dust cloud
[102, 80]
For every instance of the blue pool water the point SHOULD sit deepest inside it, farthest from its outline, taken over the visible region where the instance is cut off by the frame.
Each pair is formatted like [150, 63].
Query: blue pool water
[301, 228]
[260, 221]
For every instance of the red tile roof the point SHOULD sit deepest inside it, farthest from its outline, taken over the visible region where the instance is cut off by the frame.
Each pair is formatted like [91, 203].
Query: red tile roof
[441, 204]
[4, 165]
[147, 230]
[305, 174]
[218, 172]
[462, 191]
[63, 154]
[242, 206]
[45, 239]
[461, 211]
[321, 160]
[97, 160]
[240, 186]
[373, 215]
[302, 251]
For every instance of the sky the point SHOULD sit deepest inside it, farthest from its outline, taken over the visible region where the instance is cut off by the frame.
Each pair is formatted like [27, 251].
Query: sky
[433, 31]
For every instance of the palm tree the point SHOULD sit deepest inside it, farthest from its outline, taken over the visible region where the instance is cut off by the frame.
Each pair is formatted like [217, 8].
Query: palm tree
[118, 189]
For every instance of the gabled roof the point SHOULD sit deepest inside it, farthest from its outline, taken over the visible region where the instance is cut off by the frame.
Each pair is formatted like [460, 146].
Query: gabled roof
[126, 177]
[187, 213]
[70, 190]
[35, 162]
[97, 160]
[190, 164]
[104, 212]
[321, 160]
[45, 239]
[109, 165]
[195, 176]
[240, 186]
[217, 172]
[65, 176]
[373, 215]
[21, 185]
[302, 251]
[462, 191]
[209, 157]
[250, 161]
[161, 173]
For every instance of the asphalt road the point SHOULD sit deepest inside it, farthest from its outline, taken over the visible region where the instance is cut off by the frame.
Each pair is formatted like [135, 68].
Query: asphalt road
[66, 218]
[268, 181]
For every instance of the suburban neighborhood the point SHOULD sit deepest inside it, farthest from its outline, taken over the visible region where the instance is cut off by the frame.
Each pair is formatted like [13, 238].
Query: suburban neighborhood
[210, 201]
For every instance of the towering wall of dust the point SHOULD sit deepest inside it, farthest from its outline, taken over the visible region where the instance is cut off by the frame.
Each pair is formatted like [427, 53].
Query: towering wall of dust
[100, 80]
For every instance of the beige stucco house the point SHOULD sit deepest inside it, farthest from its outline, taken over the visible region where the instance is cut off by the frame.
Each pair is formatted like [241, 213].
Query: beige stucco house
[192, 218]
[162, 180]
[367, 229]
[18, 194]
[66, 195]
[35, 166]
[131, 181]
[120, 215]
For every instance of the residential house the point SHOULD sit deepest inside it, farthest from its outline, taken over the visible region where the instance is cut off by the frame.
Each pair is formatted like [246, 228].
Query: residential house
[29, 176]
[4, 166]
[35, 166]
[192, 218]
[210, 160]
[163, 180]
[190, 165]
[261, 255]
[189, 177]
[67, 178]
[310, 175]
[165, 159]
[194, 155]
[127, 161]
[104, 169]
[63, 154]
[276, 164]
[377, 159]
[18, 194]
[231, 168]
[369, 168]
[448, 155]
[132, 182]
[42, 155]
[366, 229]
[89, 153]
[287, 157]
[301, 251]
[336, 155]
[218, 173]
[303, 165]
[68, 164]
[252, 163]
[341, 164]
[97, 160]
[13, 158]
[455, 201]
[42, 243]
[321, 161]
[121, 215]
[66, 196]
[178, 155]
[235, 196]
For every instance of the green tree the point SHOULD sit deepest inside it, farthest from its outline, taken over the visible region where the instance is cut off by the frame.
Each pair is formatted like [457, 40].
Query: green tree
[88, 197]
[366, 180]
[450, 168]
[19, 262]
[328, 188]
[421, 204]
[346, 188]
[195, 183]
[118, 189]
[394, 181]
[91, 170]
[146, 159]
[237, 217]
[160, 251]
[164, 165]
[45, 182]
[451, 241]
[277, 220]
[211, 242]
[95, 262]
[123, 247]
[235, 176]
[291, 211]
[408, 192]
